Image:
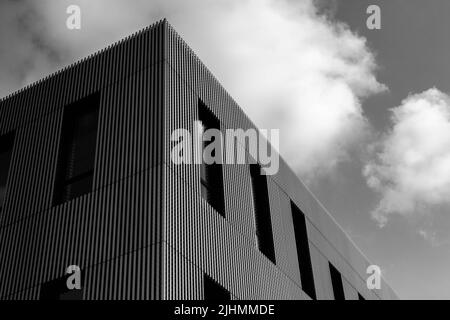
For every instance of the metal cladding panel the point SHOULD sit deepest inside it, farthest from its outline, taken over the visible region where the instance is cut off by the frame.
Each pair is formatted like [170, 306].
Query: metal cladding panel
[322, 278]
[181, 112]
[199, 236]
[287, 243]
[31, 173]
[349, 292]
[285, 247]
[132, 276]
[130, 122]
[28, 294]
[99, 227]
[110, 280]
[130, 129]
[113, 233]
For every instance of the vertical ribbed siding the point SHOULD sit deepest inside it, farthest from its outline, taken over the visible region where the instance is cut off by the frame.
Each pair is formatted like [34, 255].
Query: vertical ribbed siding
[113, 233]
[92, 229]
[131, 276]
[199, 236]
[196, 237]
[30, 186]
[129, 128]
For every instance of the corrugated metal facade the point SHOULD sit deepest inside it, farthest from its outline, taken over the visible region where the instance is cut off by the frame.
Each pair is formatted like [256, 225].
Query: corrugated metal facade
[145, 232]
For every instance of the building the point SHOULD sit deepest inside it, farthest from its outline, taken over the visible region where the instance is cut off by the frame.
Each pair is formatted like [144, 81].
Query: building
[86, 179]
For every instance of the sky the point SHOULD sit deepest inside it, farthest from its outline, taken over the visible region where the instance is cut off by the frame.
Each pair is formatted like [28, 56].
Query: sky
[364, 114]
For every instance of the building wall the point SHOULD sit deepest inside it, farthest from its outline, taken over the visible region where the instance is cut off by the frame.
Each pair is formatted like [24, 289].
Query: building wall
[202, 241]
[144, 231]
[113, 233]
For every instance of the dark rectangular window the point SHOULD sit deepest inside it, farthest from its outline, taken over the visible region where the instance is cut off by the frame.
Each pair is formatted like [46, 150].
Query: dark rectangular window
[6, 145]
[57, 290]
[336, 281]
[75, 169]
[214, 291]
[303, 255]
[211, 176]
[263, 220]
[360, 297]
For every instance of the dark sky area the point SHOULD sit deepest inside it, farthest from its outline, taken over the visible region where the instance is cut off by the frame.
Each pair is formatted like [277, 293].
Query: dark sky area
[412, 50]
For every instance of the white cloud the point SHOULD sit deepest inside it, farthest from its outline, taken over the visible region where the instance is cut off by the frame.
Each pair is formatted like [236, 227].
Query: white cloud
[411, 169]
[286, 65]
[23, 52]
